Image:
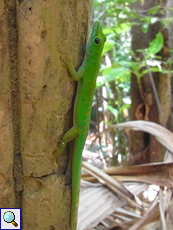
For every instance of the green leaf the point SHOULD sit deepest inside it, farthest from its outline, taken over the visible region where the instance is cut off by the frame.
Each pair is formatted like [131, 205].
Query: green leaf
[155, 45]
[123, 27]
[130, 64]
[119, 74]
[113, 111]
[154, 10]
[126, 106]
[108, 46]
[145, 27]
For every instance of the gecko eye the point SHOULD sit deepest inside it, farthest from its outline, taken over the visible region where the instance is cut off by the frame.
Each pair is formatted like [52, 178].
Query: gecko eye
[97, 41]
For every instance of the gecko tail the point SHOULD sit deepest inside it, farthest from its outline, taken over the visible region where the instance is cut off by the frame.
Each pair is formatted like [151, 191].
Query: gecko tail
[73, 221]
[75, 196]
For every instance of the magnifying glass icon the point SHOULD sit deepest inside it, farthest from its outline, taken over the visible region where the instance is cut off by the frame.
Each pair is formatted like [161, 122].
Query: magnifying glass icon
[9, 217]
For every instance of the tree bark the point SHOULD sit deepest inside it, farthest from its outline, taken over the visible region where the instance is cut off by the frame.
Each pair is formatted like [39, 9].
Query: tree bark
[36, 105]
[7, 191]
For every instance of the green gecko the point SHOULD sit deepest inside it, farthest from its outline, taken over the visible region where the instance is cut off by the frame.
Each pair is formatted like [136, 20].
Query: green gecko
[86, 75]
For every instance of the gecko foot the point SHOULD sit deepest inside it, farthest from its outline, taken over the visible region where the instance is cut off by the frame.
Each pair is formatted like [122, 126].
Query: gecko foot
[59, 149]
[67, 61]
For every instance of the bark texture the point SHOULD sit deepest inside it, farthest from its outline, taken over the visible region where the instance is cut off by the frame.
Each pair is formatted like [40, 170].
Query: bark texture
[7, 191]
[36, 95]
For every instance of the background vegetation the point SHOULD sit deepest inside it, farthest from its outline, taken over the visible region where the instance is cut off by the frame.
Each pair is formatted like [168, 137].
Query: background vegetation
[136, 66]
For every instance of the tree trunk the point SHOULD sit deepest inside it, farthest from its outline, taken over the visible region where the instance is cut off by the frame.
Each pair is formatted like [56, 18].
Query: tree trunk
[7, 194]
[36, 106]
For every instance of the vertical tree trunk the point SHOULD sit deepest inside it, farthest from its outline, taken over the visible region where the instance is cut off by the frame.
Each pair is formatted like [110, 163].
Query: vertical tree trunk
[36, 105]
[7, 192]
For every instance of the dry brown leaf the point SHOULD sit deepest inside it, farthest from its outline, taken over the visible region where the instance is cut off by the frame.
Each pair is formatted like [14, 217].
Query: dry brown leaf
[112, 184]
[163, 135]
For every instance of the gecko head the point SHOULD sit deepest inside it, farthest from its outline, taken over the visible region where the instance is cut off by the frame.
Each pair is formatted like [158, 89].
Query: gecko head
[97, 40]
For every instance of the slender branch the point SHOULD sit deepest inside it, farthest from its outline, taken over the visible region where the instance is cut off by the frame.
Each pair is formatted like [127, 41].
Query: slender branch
[155, 94]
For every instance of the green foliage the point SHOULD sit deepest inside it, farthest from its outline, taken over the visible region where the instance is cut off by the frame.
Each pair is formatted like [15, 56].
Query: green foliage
[155, 45]
[108, 46]
[117, 18]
